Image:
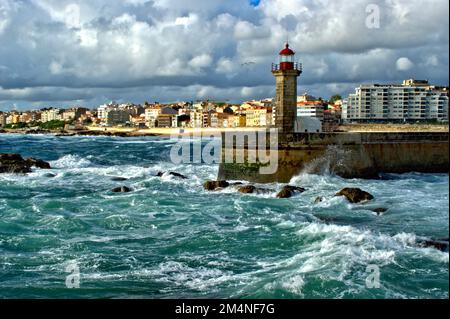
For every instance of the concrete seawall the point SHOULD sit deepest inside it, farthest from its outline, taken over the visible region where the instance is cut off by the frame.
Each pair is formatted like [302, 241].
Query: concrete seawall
[350, 155]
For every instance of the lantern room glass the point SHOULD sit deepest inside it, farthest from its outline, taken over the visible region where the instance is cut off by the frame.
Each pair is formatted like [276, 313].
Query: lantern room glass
[287, 58]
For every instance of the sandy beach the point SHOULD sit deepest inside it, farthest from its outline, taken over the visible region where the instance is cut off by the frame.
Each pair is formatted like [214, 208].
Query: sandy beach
[171, 131]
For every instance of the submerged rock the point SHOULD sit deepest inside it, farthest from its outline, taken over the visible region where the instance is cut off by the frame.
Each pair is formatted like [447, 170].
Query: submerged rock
[122, 189]
[15, 163]
[119, 179]
[214, 185]
[380, 210]
[355, 195]
[289, 191]
[318, 200]
[50, 175]
[175, 174]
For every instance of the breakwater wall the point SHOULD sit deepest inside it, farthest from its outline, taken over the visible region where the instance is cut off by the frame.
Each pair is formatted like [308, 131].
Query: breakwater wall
[350, 155]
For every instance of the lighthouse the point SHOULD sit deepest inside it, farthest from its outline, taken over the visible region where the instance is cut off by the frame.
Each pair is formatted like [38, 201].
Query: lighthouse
[286, 73]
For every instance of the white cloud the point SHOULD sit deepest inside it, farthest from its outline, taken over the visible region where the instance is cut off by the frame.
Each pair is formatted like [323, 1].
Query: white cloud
[225, 66]
[201, 61]
[69, 14]
[186, 21]
[3, 24]
[404, 64]
[245, 30]
[88, 37]
[7, 8]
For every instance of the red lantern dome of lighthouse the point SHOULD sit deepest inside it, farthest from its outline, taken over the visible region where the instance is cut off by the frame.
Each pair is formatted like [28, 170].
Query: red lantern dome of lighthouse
[287, 51]
[287, 61]
[287, 58]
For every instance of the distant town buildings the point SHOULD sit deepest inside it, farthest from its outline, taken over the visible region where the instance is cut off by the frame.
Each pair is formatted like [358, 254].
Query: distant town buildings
[412, 100]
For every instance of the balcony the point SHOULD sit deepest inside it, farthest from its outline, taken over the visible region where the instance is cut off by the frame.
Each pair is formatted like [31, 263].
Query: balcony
[287, 66]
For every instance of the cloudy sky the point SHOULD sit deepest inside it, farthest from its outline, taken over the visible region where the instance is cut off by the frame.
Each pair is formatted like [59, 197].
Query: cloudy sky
[88, 52]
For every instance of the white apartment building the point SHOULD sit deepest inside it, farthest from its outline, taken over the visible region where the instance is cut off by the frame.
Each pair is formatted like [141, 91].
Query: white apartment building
[152, 113]
[51, 115]
[411, 101]
[309, 106]
[310, 109]
[101, 112]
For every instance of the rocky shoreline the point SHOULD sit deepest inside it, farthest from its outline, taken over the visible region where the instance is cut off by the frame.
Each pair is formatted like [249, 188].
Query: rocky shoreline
[79, 133]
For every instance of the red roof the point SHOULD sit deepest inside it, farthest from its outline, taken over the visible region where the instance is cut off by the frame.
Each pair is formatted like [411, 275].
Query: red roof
[287, 51]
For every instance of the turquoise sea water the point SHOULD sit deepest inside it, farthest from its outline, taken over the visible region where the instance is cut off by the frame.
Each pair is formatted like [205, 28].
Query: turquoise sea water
[171, 239]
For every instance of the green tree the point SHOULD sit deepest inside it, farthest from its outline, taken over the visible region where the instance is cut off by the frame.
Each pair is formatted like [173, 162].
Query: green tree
[53, 125]
[335, 98]
[16, 126]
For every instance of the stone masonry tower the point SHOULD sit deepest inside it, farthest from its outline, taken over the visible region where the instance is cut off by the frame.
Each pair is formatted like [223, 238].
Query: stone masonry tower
[286, 73]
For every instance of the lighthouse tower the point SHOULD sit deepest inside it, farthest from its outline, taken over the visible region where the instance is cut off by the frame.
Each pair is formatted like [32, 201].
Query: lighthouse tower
[286, 73]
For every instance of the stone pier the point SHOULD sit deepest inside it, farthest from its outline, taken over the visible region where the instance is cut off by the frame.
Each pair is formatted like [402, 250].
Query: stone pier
[349, 155]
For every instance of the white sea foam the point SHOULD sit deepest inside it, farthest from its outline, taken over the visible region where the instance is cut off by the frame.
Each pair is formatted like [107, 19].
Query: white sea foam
[71, 161]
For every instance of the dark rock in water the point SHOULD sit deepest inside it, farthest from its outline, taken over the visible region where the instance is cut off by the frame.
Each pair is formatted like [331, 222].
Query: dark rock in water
[250, 189]
[49, 175]
[380, 210]
[214, 185]
[37, 131]
[289, 191]
[119, 179]
[122, 189]
[65, 134]
[38, 163]
[175, 174]
[10, 158]
[439, 244]
[15, 163]
[120, 134]
[355, 195]
[318, 200]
